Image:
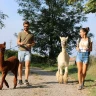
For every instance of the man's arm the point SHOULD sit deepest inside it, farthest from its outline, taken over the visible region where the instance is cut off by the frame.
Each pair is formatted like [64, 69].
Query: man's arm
[19, 43]
[31, 45]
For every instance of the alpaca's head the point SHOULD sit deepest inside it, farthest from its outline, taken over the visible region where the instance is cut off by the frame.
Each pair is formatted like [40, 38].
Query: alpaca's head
[2, 47]
[63, 41]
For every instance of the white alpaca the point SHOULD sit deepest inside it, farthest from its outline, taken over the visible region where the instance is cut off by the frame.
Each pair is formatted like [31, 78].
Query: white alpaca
[63, 62]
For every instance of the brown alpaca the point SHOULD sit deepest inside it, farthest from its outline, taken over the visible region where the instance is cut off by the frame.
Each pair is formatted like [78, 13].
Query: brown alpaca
[11, 64]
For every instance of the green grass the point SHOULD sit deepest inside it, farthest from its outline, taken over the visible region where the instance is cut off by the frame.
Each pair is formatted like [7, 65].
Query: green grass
[73, 71]
[91, 80]
[45, 67]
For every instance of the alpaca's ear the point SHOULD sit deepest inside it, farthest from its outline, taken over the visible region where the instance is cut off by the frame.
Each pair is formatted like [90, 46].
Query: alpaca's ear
[67, 38]
[60, 37]
[5, 43]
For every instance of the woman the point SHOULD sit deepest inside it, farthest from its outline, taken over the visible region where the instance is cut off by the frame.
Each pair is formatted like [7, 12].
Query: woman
[84, 46]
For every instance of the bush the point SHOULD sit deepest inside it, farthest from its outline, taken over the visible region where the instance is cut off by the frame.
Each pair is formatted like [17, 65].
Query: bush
[35, 58]
[44, 60]
[9, 53]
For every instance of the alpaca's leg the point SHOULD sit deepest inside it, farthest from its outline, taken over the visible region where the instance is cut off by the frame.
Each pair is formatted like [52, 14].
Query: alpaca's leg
[6, 83]
[57, 75]
[65, 77]
[66, 71]
[15, 72]
[3, 79]
[60, 75]
[15, 78]
[61, 71]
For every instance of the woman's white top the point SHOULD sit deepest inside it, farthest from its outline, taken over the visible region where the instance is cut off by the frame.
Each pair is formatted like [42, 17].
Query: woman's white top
[83, 45]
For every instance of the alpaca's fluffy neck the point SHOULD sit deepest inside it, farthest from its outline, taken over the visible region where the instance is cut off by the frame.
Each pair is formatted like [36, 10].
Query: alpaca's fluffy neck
[63, 49]
[1, 59]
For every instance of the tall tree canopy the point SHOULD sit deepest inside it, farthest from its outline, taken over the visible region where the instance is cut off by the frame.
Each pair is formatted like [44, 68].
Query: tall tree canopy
[50, 19]
[2, 17]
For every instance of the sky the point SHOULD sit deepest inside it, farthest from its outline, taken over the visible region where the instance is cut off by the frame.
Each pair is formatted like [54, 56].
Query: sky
[13, 24]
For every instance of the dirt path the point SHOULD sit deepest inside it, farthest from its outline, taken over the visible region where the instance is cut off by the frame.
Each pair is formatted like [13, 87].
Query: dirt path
[42, 83]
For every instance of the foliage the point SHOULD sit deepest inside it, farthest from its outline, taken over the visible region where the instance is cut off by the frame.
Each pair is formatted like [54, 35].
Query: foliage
[2, 17]
[89, 6]
[10, 53]
[50, 19]
[38, 59]
[35, 58]
[73, 1]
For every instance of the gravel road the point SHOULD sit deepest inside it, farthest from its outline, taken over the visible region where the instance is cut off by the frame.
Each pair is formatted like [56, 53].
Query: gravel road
[42, 83]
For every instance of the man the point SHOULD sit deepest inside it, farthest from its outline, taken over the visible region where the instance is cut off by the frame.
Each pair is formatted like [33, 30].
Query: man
[25, 41]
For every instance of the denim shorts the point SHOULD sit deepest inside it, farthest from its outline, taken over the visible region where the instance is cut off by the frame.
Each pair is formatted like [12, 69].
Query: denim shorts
[24, 56]
[82, 57]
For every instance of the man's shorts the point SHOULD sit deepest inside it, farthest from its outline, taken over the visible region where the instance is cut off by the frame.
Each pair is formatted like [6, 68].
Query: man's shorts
[24, 56]
[82, 57]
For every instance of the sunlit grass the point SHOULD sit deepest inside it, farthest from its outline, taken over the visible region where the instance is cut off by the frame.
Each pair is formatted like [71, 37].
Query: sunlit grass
[45, 67]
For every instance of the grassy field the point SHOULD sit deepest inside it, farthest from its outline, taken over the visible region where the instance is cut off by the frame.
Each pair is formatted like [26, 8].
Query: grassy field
[45, 67]
[90, 81]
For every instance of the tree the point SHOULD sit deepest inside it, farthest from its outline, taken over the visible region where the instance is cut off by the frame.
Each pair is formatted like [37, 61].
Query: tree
[2, 17]
[89, 7]
[50, 19]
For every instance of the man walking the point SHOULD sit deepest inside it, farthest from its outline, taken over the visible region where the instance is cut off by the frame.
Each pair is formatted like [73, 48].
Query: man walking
[25, 41]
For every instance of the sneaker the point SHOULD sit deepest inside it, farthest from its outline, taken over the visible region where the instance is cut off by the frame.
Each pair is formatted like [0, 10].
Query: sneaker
[80, 87]
[83, 83]
[26, 82]
[20, 82]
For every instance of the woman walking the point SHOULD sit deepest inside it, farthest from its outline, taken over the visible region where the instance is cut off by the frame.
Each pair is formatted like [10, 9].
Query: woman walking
[84, 46]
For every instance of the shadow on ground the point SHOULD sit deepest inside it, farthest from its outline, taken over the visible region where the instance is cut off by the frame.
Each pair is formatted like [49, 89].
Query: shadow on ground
[32, 86]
